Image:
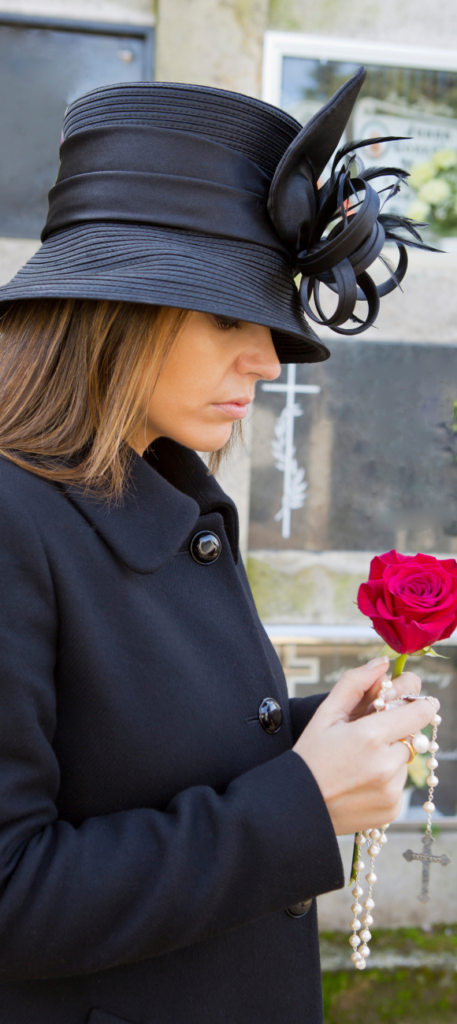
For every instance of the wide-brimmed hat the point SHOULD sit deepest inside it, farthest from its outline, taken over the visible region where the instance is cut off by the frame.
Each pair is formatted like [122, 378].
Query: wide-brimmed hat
[203, 199]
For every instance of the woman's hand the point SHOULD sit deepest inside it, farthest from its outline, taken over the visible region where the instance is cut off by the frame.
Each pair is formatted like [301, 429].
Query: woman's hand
[408, 682]
[358, 762]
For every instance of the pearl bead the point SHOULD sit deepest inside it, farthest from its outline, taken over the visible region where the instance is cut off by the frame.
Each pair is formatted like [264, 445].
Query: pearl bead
[429, 807]
[355, 957]
[364, 950]
[436, 720]
[356, 924]
[360, 965]
[375, 835]
[369, 903]
[356, 909]
[365, 935]
[359, 840]
[367, 833]
[367, 920]
[387, 684]
[383, 840]
[420, 743]
[357, 891]
[359, 865]
[379, 704]
[373, 850]
[432, 781]
[371, 878]
[433, 747]
[384, 827]
[354, 941]
[432, 762]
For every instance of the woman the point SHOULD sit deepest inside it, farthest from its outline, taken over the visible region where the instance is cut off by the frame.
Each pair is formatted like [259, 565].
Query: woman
[167, 814]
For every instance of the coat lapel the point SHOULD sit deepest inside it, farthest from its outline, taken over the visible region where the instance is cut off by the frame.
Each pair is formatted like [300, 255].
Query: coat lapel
[168, 491]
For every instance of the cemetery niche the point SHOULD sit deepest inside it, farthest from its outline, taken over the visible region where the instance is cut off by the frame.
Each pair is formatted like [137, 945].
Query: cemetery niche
[45, 64]
[335, 481]
[331, 470]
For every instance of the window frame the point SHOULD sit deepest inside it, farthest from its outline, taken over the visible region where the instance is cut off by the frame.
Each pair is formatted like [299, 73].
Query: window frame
[278, 45]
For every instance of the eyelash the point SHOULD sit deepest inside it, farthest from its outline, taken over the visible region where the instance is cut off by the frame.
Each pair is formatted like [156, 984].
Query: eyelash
[225, 324]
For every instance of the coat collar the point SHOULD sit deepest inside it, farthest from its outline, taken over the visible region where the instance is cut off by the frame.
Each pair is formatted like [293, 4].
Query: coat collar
[169, 489]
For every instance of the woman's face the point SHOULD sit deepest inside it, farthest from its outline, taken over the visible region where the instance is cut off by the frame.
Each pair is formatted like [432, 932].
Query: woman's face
[207, 382]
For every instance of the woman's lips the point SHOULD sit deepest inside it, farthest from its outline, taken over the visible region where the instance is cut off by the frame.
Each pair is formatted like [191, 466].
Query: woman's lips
[235, 410]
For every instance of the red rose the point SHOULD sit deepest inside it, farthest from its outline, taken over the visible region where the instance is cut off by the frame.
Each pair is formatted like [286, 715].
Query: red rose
[411, 600]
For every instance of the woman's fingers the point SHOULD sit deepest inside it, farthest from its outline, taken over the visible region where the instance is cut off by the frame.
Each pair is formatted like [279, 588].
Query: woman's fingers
[402, 721]
[353, 685]
[408, 682]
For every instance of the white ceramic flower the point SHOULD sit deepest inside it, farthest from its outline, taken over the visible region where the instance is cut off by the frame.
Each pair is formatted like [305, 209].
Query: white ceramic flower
[419, 210]
[435, 191]
[421, 173]
[444, 159]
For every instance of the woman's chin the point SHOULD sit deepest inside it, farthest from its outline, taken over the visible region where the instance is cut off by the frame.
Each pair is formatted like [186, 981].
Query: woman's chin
[206, 442]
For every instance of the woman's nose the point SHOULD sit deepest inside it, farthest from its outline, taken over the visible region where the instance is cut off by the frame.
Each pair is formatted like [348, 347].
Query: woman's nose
[259, 356]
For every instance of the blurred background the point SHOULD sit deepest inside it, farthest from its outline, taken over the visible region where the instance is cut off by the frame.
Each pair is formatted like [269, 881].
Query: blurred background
[374, 459]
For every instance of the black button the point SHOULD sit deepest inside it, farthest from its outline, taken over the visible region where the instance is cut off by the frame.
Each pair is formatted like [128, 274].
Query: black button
[270, 714]
[205, 547]
[299, 909]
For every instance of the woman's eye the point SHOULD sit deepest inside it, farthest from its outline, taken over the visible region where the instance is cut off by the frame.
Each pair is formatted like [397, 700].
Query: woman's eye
[225, 323]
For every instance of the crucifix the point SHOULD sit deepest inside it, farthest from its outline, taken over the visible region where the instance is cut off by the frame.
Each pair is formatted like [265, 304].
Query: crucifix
[426, 859]
[293, 493]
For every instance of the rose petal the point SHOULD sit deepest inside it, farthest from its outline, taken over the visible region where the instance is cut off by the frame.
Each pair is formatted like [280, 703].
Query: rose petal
[367, 597]
[448, 631]
[387, 633]
[416, 635]
[449, 564]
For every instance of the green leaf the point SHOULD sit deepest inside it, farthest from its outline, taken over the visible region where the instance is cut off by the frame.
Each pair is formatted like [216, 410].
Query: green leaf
[430, 653]
[387, 652]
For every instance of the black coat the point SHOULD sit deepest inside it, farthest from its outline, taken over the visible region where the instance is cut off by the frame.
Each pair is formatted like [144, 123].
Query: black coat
[152, 832]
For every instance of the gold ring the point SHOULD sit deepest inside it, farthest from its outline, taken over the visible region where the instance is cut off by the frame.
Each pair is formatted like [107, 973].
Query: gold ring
[412, 752]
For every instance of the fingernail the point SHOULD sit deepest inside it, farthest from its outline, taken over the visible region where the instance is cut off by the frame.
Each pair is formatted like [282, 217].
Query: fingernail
[377, 661]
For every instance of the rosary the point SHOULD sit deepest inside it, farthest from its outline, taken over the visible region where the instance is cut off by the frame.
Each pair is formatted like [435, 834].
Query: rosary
[376, 839]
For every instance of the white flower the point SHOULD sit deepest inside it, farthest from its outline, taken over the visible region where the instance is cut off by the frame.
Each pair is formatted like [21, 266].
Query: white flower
[444, 159]
[419, 210]
[435, 191]
[421, 173]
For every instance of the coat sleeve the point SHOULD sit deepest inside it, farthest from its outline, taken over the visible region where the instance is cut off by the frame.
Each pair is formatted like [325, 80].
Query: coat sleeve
[138, 883]
[302, 710]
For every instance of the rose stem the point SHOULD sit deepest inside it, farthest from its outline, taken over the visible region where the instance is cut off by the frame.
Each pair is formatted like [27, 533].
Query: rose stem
[399, 665]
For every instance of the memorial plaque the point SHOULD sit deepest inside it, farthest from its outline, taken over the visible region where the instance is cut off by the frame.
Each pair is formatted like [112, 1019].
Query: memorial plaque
[43, 67]
[355, 454]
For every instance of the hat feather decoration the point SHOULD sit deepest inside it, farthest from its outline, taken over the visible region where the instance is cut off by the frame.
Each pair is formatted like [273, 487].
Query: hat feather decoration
[336, 231]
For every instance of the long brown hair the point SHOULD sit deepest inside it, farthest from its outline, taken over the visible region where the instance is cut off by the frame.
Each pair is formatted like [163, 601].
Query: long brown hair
[72, 378]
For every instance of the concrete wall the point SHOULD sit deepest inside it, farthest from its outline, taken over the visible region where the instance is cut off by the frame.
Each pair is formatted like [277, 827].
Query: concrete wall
[212, 42]
[411, 22]
[137, 12]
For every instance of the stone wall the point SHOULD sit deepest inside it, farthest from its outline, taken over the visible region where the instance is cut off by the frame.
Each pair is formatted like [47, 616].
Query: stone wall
[410, 22]
[212, 42]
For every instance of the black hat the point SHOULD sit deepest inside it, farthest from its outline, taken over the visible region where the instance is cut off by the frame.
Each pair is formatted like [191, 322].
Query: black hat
[203, 199]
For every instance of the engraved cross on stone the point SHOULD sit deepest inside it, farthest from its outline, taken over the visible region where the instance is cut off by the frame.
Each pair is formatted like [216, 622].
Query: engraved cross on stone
[287, 458]
[426, 859]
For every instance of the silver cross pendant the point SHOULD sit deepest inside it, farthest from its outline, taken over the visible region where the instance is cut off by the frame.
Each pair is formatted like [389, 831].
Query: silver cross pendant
[426, 859]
